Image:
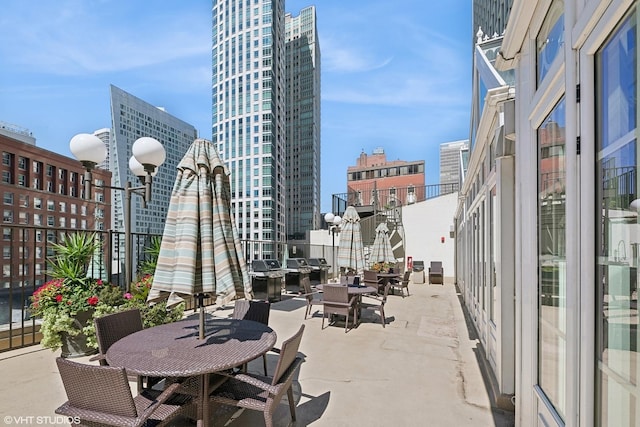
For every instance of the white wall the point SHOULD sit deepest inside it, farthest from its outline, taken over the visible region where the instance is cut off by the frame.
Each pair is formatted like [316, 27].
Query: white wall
[425, 224]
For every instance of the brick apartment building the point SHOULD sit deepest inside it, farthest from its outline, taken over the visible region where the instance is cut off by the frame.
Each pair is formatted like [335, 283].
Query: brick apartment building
[374, 177]
[42, 195]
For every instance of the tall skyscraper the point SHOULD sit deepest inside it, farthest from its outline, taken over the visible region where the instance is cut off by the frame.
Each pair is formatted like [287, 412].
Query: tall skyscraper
[302, 82]
[450, 161]
[248, 117]
[133, 118]
[105, 136]
[490, 16]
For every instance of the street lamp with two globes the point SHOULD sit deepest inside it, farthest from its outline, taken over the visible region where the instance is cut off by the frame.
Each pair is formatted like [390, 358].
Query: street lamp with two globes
[148, 155]
[334, 223]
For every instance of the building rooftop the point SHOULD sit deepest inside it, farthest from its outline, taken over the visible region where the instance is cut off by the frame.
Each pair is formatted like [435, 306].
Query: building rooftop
[424, 365]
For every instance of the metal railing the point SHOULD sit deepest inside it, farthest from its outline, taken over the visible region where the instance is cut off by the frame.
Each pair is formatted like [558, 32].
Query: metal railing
[25, 250]
[371, 199]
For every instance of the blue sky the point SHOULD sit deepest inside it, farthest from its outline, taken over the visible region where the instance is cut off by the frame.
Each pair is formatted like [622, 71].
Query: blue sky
[395, 75]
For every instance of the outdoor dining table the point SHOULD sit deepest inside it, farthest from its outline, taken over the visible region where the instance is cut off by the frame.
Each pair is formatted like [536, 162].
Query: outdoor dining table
[358, 290]
[174, 350]
[386, 277]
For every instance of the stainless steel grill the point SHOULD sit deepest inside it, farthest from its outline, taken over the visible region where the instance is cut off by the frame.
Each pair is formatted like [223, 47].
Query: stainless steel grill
[319, 270]
[266, 279]
[296, 270]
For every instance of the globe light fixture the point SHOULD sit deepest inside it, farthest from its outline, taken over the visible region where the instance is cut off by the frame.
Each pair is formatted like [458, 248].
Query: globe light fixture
[90, 150]
[334, 223]
[148, 155]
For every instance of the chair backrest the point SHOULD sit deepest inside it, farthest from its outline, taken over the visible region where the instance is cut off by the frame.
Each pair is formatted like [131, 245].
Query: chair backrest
[370, 276]
[258, 311]
[111, 327]
[306, 286]
[288, 352]
[356, 280]
[335, 293]
[407, 275]
[97, 388]
[436, 267]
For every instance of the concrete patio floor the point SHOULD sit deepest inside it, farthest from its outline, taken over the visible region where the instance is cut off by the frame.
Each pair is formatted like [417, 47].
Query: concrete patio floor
[421, 370]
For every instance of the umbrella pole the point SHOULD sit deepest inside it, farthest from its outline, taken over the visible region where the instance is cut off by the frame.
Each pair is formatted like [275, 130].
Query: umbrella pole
[200, 297]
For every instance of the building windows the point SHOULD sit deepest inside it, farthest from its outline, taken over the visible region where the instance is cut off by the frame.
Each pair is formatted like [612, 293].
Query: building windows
[7, 216]
[616, 167]
[50, 170]
[6, 159]
[8, 198]
[51, 205]
[51, 220]
[24, 201]
[22, 180]
[552, 262]
[6, 177]
[550, 39]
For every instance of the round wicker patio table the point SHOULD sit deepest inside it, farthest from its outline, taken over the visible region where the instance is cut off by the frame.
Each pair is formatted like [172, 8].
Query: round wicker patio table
[174, 350]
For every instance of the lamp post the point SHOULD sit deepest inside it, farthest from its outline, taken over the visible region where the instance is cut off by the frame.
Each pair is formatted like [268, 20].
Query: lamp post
[333, 222]
[148, 155]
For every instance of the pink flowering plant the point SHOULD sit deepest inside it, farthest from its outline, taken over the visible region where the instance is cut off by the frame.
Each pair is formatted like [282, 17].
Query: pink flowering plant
[72, 292]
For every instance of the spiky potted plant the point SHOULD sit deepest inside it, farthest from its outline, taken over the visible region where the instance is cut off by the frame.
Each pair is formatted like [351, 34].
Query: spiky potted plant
[65, 304]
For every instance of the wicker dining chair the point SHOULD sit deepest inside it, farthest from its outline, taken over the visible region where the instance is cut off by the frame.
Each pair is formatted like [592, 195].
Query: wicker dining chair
[379, 304]
[370, 278]
[402, 284]
[110, 328]
[258, 311]
[335, 300]
[309, 294]
[264, 393]
[100, 396]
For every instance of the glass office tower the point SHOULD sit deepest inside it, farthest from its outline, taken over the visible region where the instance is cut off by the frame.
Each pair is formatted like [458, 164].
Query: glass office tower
[248, 101]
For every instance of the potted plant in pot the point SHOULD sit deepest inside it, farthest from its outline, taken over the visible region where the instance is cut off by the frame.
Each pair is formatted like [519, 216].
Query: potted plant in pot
[67, 302]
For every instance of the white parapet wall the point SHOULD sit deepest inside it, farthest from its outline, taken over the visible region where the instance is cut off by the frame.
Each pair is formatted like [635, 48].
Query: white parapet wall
[427, 225]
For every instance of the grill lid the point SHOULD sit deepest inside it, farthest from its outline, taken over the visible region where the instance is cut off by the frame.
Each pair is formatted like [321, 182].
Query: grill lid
[260, 265]
[297, 263]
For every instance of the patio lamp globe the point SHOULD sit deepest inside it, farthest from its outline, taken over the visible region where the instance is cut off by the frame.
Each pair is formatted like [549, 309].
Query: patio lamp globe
[137, 168]
[337, 220]
[88, 149]
[328, 218]
[149, 152]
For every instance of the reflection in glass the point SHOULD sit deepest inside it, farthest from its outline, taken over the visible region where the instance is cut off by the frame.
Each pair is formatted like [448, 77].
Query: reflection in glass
[550, 39]
[552, 258]
[617, 232]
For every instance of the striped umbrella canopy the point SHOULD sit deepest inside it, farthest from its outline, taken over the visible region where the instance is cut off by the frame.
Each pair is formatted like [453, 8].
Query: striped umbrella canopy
[351, 251]
[381, 251]
[200, 251]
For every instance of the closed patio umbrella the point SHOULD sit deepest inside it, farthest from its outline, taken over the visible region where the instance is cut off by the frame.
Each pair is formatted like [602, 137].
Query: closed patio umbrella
[381, 251]
[350, 251]
[200, 251]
